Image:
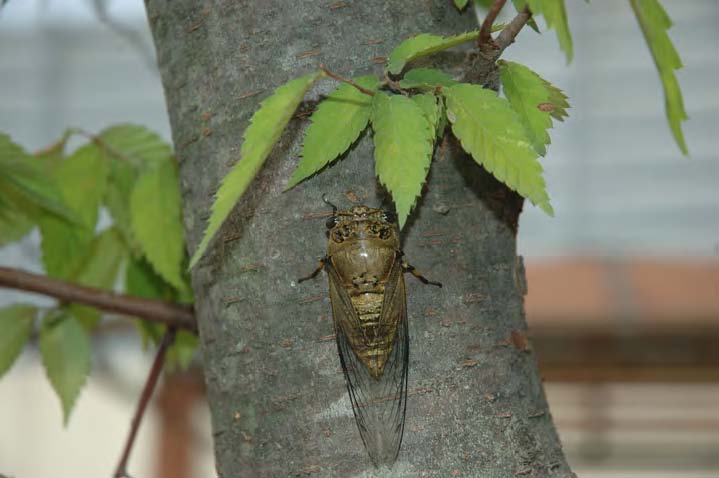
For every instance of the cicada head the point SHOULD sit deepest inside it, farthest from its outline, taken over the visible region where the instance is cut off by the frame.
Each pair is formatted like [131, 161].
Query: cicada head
[363, 223]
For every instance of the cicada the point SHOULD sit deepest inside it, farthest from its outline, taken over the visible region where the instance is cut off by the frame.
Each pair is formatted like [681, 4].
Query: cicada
[365, 267]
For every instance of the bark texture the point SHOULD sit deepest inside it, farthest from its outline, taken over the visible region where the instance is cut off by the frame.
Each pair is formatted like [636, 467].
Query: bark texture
[276, 391]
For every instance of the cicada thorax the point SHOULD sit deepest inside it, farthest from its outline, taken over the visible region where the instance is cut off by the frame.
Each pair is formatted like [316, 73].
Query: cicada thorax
[363, 249]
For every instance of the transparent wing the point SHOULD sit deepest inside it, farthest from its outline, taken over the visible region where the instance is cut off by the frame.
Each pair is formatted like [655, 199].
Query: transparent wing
[379, 404]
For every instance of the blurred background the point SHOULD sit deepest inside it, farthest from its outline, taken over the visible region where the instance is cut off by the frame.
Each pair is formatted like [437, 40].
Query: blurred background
[630, 354]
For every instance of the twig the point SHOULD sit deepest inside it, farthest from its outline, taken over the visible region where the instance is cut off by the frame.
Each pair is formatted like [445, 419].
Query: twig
[147, 309]
[337, 77]
[509, 33]
[157, 364]
[485, 32]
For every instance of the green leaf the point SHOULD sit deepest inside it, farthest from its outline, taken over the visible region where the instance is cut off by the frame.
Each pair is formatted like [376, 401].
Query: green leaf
[156, 220]
[135, 144]
[422, 45]
[24, 184]
[492, 133]
[460, 4]
[82, 179]
[98, 267]
[532, 97]
[426, 78]
[428, 103]
[142, 281]
[558, 100]
[555, 14]
[117, 199]
[101, 263]
[14, 225]
[265, 128]
[65, 350]
[484, 3]
[62, 246]
[51, 155]
[335, 125]
[16, 323]
[403, 141]
[655, 22]
[426, 44]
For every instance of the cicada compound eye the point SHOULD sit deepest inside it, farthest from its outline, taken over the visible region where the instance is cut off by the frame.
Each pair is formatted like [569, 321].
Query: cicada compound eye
[331, 222]
[389, 216]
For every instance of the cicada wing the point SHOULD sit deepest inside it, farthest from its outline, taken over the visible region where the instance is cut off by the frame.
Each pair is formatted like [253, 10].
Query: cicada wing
[378, 404]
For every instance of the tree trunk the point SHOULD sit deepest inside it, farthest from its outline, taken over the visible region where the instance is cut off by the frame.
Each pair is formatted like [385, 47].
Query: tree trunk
[279, 405]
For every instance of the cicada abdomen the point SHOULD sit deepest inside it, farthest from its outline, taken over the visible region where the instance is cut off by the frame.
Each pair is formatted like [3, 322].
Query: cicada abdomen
[369, 309]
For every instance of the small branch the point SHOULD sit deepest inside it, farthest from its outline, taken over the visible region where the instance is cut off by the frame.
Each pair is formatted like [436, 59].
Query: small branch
[509, 33]
[337, 77]
[485, 32]
[153, 310]
[159, 362]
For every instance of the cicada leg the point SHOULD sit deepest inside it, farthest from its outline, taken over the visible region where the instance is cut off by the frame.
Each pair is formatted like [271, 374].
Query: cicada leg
[406, 267]
[320, 266]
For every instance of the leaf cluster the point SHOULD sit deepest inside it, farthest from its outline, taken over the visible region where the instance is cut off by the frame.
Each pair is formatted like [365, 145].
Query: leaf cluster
[125, 174]
[407, 113]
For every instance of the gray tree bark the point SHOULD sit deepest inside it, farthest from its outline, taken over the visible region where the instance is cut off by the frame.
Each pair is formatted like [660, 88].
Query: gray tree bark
[275, 388]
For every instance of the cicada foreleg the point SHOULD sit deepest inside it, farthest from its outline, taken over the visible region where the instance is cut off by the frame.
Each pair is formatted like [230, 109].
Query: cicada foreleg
[407, 267]
[320, 266]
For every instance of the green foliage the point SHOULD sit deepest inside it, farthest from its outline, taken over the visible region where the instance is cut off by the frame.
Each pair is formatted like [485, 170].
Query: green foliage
[14, 225]
[65, 350]
[403, 149]
[16, 323]
[122, 179]
[490, 130]
[25, 187]
[82, 179]
[64, 195]
[101, 263]
[142, 281]
[335, 125]
[655, 22]
[426, 79]
[265, 128]
[135, 144]
[533, 98]
[422, 45]
[558, 100]
[431, 108]
[157, 221]
[98, 267]
[460, 4]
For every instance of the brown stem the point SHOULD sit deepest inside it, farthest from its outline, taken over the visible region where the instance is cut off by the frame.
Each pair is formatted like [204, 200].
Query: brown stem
[337, 77]
[157, 364]
[509, 33]
[153, 310]
[485, 32]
